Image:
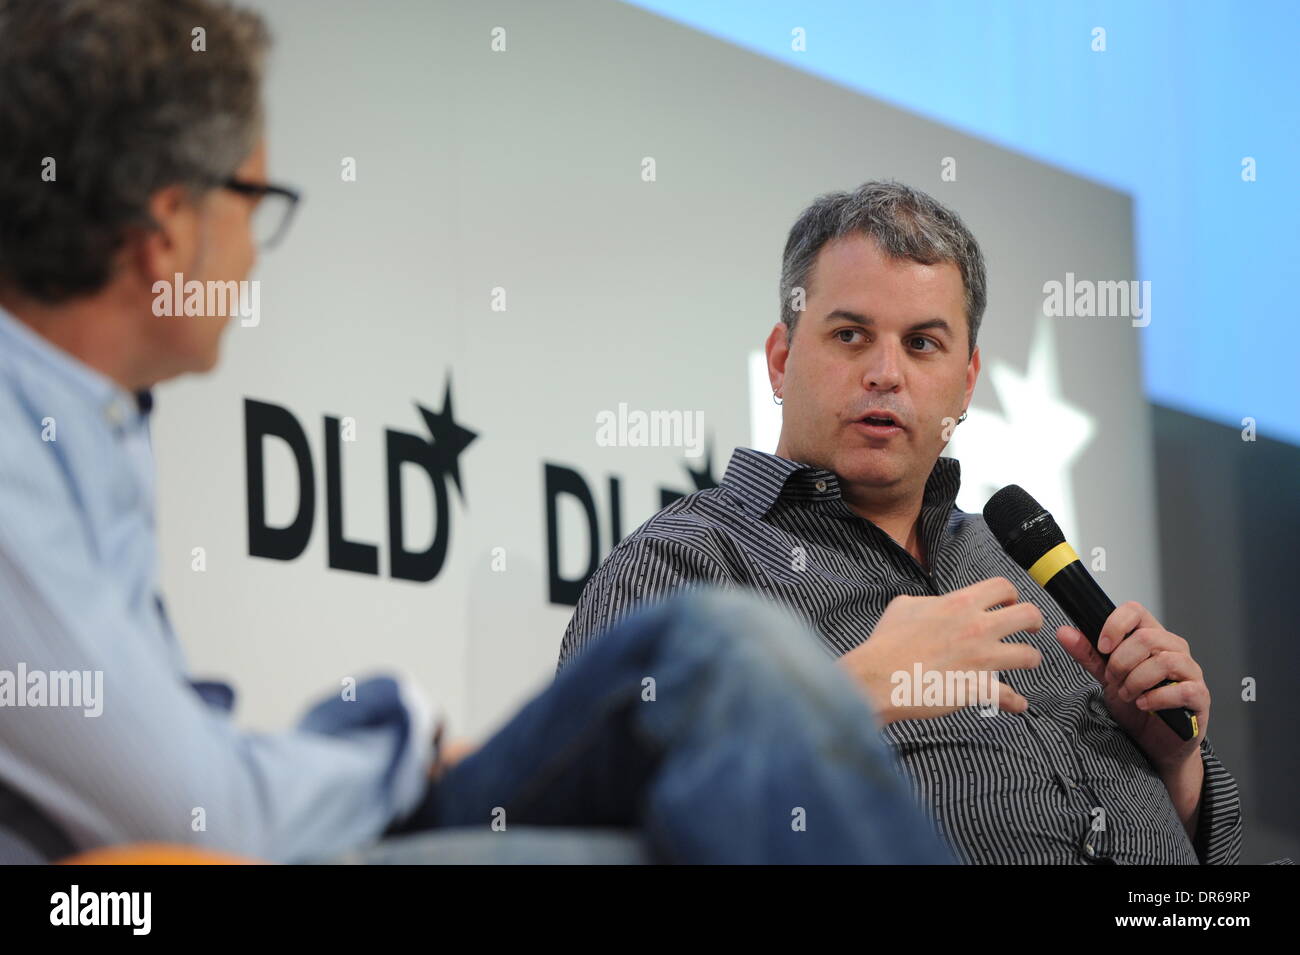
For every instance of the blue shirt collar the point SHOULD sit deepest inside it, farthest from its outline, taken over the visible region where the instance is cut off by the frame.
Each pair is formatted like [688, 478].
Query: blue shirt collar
[36, 354]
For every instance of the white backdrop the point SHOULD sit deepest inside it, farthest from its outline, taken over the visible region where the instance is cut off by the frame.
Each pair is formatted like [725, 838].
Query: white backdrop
[522, 170]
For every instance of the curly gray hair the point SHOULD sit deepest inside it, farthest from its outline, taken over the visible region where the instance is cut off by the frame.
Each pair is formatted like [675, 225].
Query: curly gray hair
[116, 95]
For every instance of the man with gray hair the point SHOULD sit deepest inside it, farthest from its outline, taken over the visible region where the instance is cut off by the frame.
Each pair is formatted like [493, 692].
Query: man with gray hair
[852, 525]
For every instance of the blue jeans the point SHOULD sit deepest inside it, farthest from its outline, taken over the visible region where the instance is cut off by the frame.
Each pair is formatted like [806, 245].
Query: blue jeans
[715, 725]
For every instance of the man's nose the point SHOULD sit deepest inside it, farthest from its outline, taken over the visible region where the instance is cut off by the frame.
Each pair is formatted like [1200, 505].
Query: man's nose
[884, 369]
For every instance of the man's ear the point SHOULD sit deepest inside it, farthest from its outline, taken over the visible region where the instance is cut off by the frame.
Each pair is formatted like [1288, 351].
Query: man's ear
[777, 352]
[972, 375]
[162, 252]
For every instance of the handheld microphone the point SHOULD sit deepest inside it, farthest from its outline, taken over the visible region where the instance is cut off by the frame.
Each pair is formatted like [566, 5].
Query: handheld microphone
[1033, 539]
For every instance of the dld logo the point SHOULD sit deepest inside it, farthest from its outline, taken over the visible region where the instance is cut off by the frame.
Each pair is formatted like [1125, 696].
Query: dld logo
[438, 455]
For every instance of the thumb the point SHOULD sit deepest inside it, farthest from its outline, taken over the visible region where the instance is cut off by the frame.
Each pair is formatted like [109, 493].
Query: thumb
[1077, 646]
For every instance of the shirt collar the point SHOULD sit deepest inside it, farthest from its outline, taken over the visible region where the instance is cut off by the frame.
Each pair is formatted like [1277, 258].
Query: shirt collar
[24, 345]
[759, 480]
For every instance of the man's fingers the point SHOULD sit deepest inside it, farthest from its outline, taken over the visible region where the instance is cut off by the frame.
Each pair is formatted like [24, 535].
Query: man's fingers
[993, 592]
[1018, 616]
[1123, 621]
[1077, 646]
[1156, 669]
[1189, 694]
[1012, 656]
[1009, 701]
[450, 753]
[1141, 644]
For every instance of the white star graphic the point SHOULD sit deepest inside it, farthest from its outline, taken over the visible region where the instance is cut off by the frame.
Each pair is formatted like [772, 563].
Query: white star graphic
[1034, 442]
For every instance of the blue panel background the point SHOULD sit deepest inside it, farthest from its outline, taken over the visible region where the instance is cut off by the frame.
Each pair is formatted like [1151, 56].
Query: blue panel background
[1183, 91]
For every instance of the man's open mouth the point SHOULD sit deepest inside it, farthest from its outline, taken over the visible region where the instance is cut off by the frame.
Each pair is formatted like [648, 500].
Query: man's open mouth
[880, 419]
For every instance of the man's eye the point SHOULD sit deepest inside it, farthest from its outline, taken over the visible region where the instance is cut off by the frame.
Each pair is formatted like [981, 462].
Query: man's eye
[923, 339]
[848, 331]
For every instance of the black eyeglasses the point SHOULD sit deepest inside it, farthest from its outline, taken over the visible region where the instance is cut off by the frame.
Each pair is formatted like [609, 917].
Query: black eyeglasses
[273, 211]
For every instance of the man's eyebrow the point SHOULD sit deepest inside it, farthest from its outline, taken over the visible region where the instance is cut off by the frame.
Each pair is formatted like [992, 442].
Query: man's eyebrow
[866, 321]
[844, 315]
[937, 324]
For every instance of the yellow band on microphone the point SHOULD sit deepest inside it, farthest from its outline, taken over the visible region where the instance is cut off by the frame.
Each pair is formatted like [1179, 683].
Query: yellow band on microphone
[1046, 567]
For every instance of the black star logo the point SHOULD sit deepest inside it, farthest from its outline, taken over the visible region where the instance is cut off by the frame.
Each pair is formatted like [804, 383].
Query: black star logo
[449, 438]
[704, 479]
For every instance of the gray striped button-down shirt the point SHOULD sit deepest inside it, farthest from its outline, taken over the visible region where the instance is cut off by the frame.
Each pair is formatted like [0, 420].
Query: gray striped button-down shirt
[1022, 788]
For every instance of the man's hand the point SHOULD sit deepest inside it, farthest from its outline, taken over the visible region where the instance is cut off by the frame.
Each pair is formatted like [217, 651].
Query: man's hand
[450, 752]
[955, 633]
[1130, 680]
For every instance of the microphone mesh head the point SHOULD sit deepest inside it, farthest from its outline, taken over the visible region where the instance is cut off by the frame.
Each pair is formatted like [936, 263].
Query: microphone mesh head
[1024, 529]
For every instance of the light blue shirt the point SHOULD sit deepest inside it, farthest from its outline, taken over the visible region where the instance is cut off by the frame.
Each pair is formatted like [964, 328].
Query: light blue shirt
[162, 759]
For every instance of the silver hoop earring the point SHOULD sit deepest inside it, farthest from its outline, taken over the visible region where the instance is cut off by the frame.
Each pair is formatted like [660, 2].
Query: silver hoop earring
[775, 401]
[962, 418]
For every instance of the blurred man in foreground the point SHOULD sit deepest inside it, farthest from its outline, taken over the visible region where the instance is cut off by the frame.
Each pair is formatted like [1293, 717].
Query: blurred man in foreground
[129, 160]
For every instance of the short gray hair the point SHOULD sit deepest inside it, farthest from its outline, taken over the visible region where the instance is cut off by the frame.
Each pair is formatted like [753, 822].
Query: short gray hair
[113, 92]
[905, 222]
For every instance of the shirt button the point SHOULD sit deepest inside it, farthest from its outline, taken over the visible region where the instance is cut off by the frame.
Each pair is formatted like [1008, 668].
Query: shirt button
[821, 485]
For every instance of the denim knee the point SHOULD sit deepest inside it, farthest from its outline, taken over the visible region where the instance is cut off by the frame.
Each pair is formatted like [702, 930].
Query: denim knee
[743, 625]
